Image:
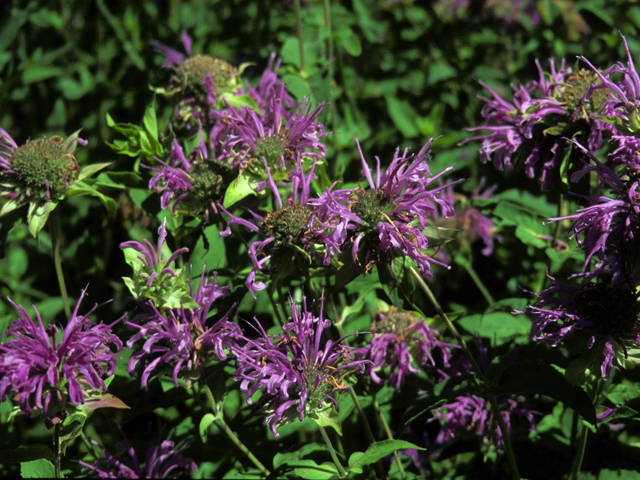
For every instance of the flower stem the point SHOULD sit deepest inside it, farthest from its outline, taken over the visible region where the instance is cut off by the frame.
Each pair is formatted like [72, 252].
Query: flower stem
[476, 368]
[296, 4]
[387, 430]
[56, 451]
[334, 457]
[367, 428]
[579, 456]
[220, 423]
[55, 248]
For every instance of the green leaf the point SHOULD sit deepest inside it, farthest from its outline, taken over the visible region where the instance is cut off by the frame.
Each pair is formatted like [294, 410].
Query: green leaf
[150, 122]
[103, 401]
[297, 452]
[240, 188]
[376, 451]
[81, 188]
[349, 40]
[26, 454]
[499, 325]
[237, 101]
[38, 218]
[37, 469]
[307, 469]
[536, 378]
[89, 170]
[71, 428]
[118, 180]
[404, 116]
[210, 253]
[396, 279]
[327, 417]
[205, 423]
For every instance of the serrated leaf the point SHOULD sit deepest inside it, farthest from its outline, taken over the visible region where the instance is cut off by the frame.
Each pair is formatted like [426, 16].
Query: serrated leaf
[536, 378]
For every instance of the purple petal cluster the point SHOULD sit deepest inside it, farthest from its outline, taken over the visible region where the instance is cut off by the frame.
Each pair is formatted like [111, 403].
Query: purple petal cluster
[388, 216]
[161, 460]
[297, 372]
[534, 126]
[178, 339]
[253, 138]
[193, 183]
[596, 317]
[291, 230]
[608, 227]
[45, 372]
[400, 339]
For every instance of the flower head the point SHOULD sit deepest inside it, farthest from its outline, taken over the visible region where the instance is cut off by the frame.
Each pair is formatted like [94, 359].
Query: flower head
[193, 183]
[198, 81]
[277, 138]
[390, 215]
[534, 127]
[291, 230]
[178, 338]
[298, 374]
[400, 339]
[596, 319]
[161, 460]
[47, 373]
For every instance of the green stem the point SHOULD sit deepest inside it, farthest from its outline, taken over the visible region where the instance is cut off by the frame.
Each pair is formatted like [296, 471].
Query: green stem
[476, 279]
[55, 247]
[275, 306]
[332, 452]
[296, 4]
[367, 427]
[220, 422]
[387, 430]
[56, 451]
[334, 113]
[579, 456]
[476, 368]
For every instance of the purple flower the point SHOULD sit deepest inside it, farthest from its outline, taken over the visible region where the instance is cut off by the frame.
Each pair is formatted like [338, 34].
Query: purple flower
[161, 460]
[608, 227]
[399, 339]
[473, 413]
[194, 184]
[47, 373]
[533, 128]
[597, 319]
[275, 139]
[291, 230]
[390, 216]
[296, 372]
[198, 82]
[177, 338]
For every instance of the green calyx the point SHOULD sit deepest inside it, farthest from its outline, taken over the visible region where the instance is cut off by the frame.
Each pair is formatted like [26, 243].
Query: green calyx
[210, 180]
[394, 321]
[573, 91]
[192, 72]
[287, 224]
[614, 311]
[271, 148]
[43, 168]
[372, 206]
